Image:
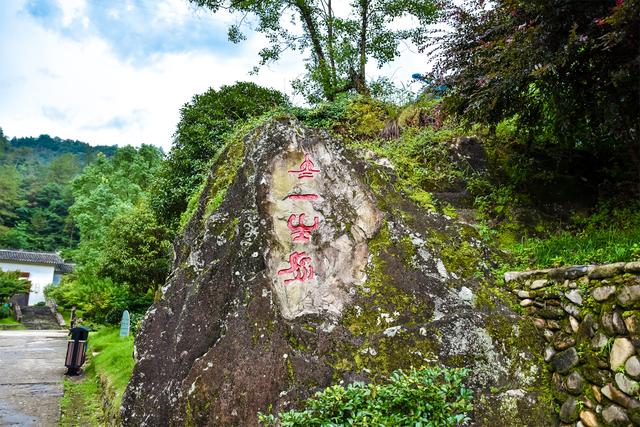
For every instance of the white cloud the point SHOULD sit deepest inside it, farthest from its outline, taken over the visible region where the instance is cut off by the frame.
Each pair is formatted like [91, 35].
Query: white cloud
[173, 12]
[71, 10]
[79, 88]
[75, 89]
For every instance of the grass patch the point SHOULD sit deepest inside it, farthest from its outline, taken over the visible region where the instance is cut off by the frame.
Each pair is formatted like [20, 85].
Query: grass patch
[96, 398]
[113, 362]
[9, 324]
[566, 248]
[609, 235]
[80, 404]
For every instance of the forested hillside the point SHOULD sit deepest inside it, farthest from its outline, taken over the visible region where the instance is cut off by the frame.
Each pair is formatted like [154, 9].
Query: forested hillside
[35, 190]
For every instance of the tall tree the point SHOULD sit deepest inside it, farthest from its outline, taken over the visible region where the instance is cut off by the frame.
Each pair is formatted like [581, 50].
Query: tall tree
[340, 45]
[564, 69]
[137, 250]
[62, 169]
[204, 123]
[4, 143]
[9, 195]
[107, 188]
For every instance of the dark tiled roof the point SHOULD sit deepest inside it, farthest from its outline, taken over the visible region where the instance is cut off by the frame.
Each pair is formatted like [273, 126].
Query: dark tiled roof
[32, 257]
[64, 267]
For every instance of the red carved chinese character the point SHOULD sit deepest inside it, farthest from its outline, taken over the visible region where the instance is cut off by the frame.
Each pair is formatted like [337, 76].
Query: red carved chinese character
[302, 196]
[300, 266]
[306, 168]
[301, 231]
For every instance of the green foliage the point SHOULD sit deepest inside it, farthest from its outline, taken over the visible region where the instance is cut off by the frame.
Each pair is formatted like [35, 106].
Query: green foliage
[11, 283]
[421, 156]
[108, 369]
[610, 235]
[564, 72]
[354, 117]
[45, 149]
[136, 250]
[325, 114]
[34, 190]
[106, 189]
[9, 195]
[4, 143]
[10, 322]
[204, 124]
[5, 312]
[339, 47]
[123, 254]
[425, 397]
[100, 299]
[114, 360]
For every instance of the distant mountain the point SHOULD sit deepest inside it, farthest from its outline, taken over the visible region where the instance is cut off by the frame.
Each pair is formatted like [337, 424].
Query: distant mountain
[45, 148]
[35, 190]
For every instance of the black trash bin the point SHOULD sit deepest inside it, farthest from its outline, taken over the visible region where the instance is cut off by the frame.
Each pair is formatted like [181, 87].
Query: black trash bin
[76, 349]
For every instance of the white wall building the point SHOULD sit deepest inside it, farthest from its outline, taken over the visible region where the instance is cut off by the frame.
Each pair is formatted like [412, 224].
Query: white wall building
[41, 268]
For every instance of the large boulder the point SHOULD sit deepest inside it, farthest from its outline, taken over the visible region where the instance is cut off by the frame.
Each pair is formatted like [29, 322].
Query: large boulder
[264, 307]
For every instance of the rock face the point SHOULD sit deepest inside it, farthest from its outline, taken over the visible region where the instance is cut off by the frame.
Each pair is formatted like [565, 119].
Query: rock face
[339, 255]
[301, 267]
[604, 372]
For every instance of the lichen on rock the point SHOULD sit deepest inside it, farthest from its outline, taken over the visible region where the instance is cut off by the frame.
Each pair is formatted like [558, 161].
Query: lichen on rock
[242, 327]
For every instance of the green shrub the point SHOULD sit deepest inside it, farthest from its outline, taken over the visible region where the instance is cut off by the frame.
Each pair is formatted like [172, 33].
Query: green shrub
[11, 283]
[101, 300]
[324, 115]
[425, 397]
[5, 312]
[204, 124]
[354, 117]
[608, 235]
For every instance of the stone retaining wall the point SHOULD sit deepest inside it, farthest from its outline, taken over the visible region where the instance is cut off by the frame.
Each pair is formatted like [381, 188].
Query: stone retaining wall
[590, 318]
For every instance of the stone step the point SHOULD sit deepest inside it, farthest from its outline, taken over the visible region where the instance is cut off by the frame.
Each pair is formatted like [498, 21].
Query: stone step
[39, 318]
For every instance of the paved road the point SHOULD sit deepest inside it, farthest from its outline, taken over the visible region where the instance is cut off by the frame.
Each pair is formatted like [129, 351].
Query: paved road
[31, 372]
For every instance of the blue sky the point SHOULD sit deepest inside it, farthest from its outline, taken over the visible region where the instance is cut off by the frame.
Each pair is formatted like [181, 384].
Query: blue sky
[118, 71]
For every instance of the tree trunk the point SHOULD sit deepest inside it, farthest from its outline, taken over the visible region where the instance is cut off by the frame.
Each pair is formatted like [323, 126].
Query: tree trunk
[360, 82]
[332, 53]
[307, 18]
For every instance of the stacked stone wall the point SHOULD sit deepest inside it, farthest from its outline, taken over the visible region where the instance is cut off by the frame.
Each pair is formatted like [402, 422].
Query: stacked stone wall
[590, 319]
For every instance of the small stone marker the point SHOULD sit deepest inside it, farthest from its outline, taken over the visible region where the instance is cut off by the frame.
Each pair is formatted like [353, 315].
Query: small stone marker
[124, 324]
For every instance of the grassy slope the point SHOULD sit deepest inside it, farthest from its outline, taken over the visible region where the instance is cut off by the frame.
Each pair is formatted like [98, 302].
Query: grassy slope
[8, 323]
[97, 396]
[608, 234]
[114, 359]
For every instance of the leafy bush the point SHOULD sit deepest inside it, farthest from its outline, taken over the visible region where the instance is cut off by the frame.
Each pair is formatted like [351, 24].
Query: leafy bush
[354, 117]
[100, 299]
[204, 123]
[609, 235]
[422, 160]
[136, 322]
[11, 283]
[567, 70]
[425, 397]
[136, 249]
[4, 312]
[324, 115]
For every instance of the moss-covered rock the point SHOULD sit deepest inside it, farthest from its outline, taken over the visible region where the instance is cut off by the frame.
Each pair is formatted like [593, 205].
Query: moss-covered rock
[394, 285]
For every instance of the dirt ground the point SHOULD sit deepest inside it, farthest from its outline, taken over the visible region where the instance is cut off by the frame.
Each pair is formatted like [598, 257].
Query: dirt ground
[31, 373]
